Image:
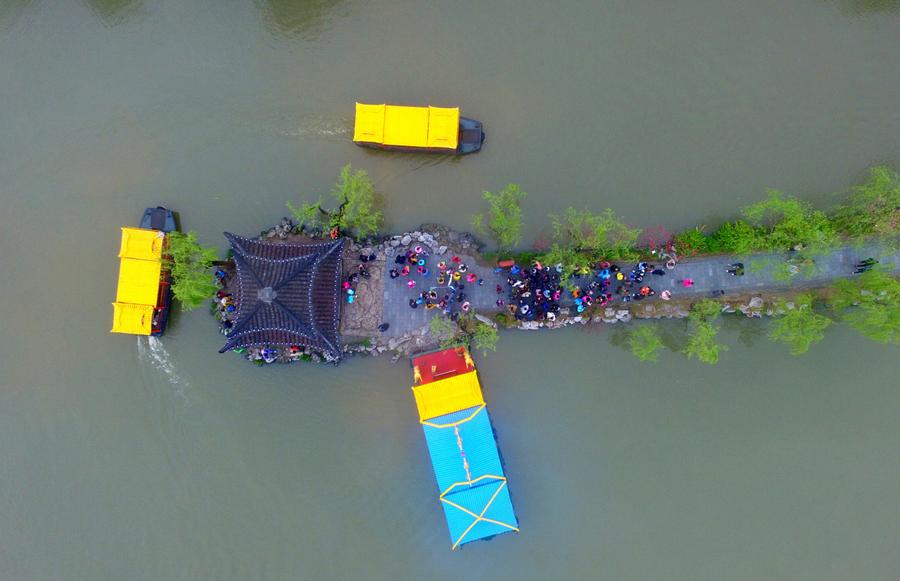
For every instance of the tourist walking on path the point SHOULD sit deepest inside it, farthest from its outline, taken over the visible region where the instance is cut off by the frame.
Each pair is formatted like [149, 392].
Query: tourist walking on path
[735, 269]
[864, 265]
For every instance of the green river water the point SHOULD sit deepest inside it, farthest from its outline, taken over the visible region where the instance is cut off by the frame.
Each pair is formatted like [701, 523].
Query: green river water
[124, 458]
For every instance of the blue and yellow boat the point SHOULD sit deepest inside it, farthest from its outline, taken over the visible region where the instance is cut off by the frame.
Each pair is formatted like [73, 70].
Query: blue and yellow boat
[473, 487]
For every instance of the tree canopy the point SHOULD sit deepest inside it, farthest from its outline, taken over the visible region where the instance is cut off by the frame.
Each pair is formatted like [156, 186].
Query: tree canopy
[310, 216]
[787, 222]
[701, 341]
[602, 235]
[870, 303]
[358, 209]
[358, 212]
[705, 311]
[466, 330]
[484, 337]
[190, 264]
[800, 327]
[737, 237]
[445, 330]
[873, 208]
[692, 242]
[503, 221]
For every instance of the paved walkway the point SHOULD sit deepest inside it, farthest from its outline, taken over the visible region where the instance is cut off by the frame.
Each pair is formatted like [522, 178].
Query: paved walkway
[404, 319]
[709, 274]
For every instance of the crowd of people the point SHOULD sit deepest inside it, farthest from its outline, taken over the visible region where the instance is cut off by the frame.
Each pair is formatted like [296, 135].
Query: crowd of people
[535, 293]
[442, 285]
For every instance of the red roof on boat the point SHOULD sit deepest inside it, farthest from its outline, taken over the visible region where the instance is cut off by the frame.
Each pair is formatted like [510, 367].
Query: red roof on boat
[443, 364]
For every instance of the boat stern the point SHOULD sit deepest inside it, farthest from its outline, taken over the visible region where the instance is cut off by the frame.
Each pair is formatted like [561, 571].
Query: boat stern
[471, 135]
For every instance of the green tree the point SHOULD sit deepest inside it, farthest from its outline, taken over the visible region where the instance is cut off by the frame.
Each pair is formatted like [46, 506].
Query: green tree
[737, 237]
[190, 263]
[800, 327]
[484, 337]
[691, 242]
[446, 330]
[786, 222]
[701, 341]
[601, 235]
[645, 342]
[503, 222]
[569, 258]
[358, 210]
[705, 311]
[310, 217]
[873, 209]
[467, 330]
[870, 303]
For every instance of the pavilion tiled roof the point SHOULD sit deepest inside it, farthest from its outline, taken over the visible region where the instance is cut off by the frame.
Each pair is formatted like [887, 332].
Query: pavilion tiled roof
[287, 294]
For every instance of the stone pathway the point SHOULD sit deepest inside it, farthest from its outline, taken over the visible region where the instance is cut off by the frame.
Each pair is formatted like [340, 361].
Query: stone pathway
[709, 274]
[404, 319]
[362, 317]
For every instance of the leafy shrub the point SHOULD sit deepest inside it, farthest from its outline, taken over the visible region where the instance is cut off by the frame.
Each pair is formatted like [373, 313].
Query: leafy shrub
[484, 337]
[467, 330]
[568, 257]
[446, 330]
[705, 311]
[358, 210]
[873, 209]
[800, 327]
[870, 303]
[737, 237]
[310, 217]
[786, 222]
[504, 319]
[691, 242]
[503, 222]
[601, 235]
[190, 264]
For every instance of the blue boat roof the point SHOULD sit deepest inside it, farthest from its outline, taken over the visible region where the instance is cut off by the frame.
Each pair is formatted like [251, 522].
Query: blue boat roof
[474, 492]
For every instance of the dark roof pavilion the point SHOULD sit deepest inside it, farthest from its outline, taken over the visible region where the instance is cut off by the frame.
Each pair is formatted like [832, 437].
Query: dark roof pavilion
[287, 294]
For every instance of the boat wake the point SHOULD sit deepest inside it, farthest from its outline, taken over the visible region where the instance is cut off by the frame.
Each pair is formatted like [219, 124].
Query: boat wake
[153, 353]
[169, 412]
[319, 127]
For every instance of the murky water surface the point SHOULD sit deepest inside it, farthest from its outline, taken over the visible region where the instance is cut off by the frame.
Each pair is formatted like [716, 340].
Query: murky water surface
[126, 458]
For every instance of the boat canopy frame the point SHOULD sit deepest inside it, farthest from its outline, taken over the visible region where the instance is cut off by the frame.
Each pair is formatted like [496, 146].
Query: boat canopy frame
[407, 126]
[142, 286]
